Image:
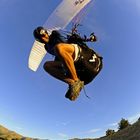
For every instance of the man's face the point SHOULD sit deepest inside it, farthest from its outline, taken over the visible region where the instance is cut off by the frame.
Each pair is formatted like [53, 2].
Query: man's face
[45, 38]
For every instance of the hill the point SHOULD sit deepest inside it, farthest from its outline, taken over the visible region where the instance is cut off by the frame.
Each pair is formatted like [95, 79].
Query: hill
[6, 134]
[131, 132]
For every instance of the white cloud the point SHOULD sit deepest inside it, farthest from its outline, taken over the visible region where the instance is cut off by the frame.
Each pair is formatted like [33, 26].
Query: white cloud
[131, 120]
[18, 128]
[63, 135]
[113, 124]
[62, 123]
[94, 130]
[134, 118]
[65, 123]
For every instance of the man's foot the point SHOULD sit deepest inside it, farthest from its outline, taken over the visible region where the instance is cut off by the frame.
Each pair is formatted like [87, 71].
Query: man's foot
[74, 90]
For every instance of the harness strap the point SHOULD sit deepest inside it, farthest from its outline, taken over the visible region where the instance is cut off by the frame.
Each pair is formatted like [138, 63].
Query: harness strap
[79, 53]
[99, 64]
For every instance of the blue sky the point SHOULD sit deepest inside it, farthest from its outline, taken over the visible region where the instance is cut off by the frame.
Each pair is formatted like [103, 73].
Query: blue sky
[33, 103]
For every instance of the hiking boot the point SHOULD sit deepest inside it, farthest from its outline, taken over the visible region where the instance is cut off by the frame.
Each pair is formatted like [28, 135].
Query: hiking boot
[74, 90]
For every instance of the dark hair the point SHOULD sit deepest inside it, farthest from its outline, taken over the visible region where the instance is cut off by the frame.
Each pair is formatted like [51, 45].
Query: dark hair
[38, 33]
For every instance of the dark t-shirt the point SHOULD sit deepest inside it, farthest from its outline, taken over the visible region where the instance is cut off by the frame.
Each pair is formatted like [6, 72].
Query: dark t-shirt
[54, 39]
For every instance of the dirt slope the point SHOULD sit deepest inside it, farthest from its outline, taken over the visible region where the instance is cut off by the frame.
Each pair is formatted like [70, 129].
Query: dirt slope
[130, 133]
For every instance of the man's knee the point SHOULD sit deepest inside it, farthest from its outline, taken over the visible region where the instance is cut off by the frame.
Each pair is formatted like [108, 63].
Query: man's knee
[60, 48]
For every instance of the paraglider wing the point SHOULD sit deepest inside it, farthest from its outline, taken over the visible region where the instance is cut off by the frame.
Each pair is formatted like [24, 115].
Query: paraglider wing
[59, 19]
[64, 13]
[36, 55]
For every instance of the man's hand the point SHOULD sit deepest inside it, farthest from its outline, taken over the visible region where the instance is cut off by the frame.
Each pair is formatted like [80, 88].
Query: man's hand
[93, 38]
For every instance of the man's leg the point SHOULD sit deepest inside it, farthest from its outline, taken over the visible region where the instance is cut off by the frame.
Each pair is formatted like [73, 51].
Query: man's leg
[66, 53]
[56, 69]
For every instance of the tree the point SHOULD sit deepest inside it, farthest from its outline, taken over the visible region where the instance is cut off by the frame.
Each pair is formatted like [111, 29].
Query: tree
[123, 124]
[110, 132]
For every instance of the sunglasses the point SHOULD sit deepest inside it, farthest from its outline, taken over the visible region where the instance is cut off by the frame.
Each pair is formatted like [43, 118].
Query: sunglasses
[43, 32]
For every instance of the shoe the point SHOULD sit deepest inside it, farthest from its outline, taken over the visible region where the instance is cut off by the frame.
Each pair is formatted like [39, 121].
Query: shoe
[74, 90]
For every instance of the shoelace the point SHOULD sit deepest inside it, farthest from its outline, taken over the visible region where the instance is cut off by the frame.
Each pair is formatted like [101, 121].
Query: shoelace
[86, 93]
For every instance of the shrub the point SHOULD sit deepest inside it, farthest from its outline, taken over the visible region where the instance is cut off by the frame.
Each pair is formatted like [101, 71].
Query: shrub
[123, 124]
[110, 132]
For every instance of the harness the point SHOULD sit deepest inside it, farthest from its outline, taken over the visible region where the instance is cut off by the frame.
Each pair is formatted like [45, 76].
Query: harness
[86, 54]
[87, 57]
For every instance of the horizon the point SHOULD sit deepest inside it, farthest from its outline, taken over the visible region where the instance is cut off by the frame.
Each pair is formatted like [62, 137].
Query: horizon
[33, 103]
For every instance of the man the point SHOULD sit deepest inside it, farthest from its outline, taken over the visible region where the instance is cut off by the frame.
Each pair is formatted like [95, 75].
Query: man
[68, 66]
